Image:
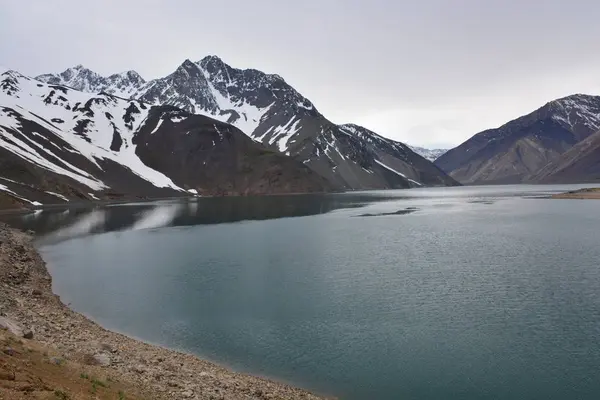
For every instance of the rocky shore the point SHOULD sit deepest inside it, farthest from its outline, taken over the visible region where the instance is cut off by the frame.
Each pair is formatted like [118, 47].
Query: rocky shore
[588, 193]
[48, 351]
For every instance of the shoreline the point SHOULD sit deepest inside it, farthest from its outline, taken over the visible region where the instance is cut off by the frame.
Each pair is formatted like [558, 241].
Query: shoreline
[144, 370]
[580, 194]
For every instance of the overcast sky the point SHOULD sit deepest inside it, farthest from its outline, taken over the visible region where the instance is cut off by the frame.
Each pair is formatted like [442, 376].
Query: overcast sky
[427, 72]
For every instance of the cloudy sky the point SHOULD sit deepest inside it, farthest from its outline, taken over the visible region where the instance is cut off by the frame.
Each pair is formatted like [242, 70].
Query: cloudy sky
[428, 72]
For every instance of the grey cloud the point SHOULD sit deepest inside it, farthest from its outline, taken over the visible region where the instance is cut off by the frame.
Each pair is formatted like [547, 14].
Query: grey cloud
[354, 59]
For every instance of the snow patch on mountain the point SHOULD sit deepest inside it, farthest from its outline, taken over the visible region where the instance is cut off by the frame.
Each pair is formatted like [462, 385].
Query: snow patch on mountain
[579, 108]
[123, 84]
[250, 115]
[4, 188]
[397, 172]
[87, 123]
[429, 154]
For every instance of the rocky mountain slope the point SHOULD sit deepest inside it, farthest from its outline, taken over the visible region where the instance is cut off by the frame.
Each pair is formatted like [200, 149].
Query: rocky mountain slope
[581, 163]
[274, 114]
[429, 154]
[80, 78]
[519, 150]
[59, 144]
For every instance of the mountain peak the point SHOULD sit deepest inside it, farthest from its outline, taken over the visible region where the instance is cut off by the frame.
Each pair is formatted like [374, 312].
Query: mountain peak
[211, 58]
[187, 63]
[80, 78]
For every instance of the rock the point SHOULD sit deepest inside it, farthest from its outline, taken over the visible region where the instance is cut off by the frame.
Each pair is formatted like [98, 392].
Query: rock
[107, 348]
[11, 326]
[187, 394]
[57, 360]
[28, 334]
[7, 376]
[102, 359]
[36, 292]
[138, 369]
[9, 351]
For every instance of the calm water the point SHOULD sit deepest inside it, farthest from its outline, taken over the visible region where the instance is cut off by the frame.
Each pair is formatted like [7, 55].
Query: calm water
[479, 293]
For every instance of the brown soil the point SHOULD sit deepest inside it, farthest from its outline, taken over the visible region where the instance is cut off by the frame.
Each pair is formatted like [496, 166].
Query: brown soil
[31, 370]
[590, 193]
[71, 357]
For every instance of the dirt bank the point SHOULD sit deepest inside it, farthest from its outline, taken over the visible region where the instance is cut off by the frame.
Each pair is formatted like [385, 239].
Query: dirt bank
[67, 356]
[589, 193]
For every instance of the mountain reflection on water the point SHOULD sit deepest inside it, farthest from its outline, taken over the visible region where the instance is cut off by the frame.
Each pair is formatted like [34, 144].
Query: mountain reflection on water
[57, 224]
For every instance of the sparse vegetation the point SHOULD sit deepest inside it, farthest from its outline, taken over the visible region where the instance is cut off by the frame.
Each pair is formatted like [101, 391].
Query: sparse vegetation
[59, 394]
[98, 382]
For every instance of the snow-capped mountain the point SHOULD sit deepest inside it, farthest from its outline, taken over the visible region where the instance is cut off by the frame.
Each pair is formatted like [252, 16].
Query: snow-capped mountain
[430, 154]
[518, 150]
[58, 143]
[274, 114]
[123, 84]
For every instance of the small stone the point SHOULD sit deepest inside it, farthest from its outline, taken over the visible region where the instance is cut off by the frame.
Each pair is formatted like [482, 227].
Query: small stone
[28, 334]
[187, 394]
[9, 351]
[139, 369]
[57, 360]
[36, 292]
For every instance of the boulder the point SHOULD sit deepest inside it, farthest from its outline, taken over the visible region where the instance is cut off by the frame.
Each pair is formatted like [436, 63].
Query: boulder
[11, 326]
[102, 359]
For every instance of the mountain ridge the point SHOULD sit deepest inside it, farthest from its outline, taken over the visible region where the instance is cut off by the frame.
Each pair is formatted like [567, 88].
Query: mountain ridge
[274, 114]
[58, 144]
[429, 154]
[515, 151]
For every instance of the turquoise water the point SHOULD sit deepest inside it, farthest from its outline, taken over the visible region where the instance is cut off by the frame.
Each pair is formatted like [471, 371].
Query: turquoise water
[479, 293]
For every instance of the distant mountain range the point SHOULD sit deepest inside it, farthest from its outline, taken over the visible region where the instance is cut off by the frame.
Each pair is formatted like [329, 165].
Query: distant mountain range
[559, 142]
[206, 128]
[430, 154]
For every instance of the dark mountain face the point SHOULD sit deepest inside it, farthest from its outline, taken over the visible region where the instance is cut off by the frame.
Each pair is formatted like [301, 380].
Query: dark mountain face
[516, 151]
[273, 113]
[581, 163]
[215, 158]
[58, 144]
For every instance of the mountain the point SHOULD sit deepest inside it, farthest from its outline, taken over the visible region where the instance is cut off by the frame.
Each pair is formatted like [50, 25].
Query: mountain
[59, 144]
[518, 150]
[271, 112]
[429, 154]
[581, 163]
[80, 78]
